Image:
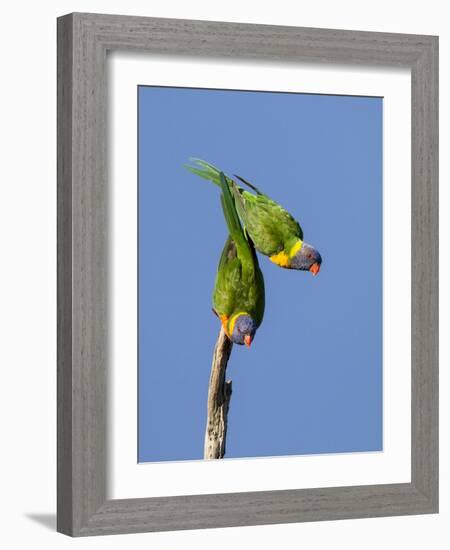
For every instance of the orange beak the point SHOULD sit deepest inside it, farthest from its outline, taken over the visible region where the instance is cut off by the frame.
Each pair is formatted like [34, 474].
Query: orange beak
[315, 268]
[247, 340]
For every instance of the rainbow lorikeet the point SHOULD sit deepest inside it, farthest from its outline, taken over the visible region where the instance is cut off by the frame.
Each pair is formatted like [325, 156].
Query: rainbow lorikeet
[238, 297]
[272, 229]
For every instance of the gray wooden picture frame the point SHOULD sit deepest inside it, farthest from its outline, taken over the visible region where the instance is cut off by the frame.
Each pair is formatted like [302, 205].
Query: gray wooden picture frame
[83, 41]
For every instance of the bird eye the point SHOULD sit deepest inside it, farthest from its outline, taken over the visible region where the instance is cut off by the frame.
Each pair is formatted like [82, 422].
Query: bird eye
[309, 256]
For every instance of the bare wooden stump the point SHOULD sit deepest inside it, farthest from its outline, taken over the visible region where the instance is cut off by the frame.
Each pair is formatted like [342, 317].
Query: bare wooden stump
[219, 395]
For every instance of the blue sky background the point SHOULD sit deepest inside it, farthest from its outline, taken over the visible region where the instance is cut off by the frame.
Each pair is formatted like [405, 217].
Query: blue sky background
[312, 380]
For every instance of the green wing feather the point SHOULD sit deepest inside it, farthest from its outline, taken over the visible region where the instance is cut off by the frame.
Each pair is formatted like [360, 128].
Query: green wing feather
[271, 227]
[228, 276]
[239, 282]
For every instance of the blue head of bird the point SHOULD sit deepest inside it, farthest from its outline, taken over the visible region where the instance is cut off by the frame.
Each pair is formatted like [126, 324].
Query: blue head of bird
[243, 330]
[307, 258]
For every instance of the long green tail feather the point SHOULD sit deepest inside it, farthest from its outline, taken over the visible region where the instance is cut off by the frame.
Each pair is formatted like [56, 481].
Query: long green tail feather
[205, 170]
[231, 216]
[203, 174]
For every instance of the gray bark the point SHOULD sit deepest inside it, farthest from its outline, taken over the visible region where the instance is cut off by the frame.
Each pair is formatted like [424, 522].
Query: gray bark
[219, 395]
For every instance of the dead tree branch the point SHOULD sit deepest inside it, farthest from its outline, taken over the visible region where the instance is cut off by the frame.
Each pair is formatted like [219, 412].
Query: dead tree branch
[219, 395]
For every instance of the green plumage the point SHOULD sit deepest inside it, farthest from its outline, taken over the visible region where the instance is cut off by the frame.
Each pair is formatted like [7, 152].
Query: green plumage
[239, 285]
[271, 228]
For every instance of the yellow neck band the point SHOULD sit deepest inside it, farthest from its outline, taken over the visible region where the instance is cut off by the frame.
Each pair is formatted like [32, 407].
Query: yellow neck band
[232, 321]
[282, 258]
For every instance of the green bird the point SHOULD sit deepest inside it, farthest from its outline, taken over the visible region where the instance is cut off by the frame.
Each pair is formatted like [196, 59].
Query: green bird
[238, 297]
[272, 229]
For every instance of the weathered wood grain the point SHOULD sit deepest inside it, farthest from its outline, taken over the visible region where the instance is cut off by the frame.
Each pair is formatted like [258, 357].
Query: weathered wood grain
[219, 395]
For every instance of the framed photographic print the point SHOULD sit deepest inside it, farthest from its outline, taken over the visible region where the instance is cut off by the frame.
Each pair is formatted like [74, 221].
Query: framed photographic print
[247, 274]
